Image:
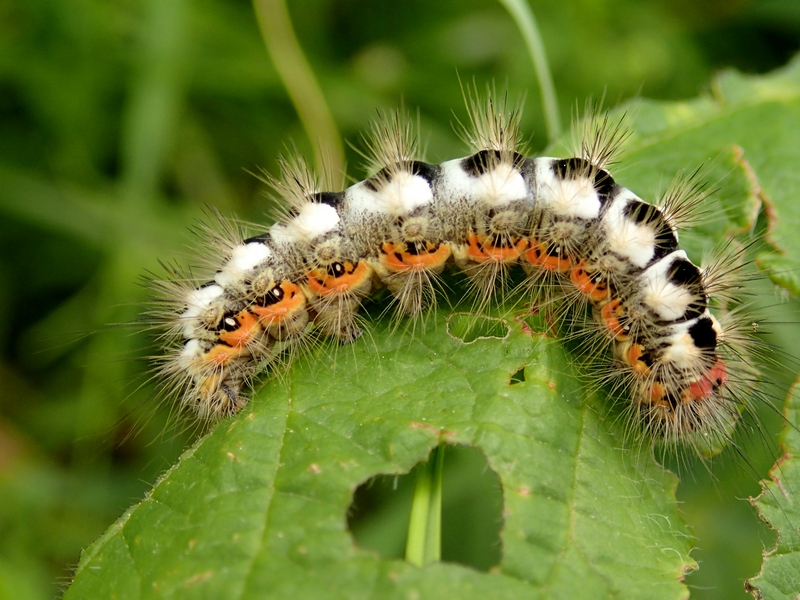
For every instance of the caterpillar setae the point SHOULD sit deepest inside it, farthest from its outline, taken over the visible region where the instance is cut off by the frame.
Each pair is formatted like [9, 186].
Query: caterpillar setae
[578, 236]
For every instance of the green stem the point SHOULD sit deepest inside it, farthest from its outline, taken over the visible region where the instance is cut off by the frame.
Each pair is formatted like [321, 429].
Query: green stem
[424, 543]
[523, 16]
[301, 85]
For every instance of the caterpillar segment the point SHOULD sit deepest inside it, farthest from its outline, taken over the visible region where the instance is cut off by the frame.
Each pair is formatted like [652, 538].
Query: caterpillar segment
[496, 183]
[392, 217]
[221, 339]
[566, 222]
[231, 328]
[494, 187]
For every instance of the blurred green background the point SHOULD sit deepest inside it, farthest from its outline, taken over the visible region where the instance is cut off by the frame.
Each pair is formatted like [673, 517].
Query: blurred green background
[120, 120]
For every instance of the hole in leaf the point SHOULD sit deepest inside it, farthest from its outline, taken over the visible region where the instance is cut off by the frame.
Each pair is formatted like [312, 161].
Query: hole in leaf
[517, 376]
[472, 505]
[469, 328]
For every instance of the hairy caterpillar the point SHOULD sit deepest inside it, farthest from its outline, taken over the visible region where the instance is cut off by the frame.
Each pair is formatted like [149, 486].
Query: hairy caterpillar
[579, 237]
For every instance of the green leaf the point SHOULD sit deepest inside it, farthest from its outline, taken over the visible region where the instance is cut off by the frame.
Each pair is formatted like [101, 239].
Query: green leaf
[746, 134]
[779, 505]
[258, 507]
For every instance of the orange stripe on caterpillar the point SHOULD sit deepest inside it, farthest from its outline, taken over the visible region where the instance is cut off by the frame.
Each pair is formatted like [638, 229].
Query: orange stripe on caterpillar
[612, 313]
[704, 388]
[481, 249]
[631, 354]
[588, 283]
[708, 384]
[288, 300]
[539, 256]
[656, 394]
[396, 257]
[339, 278]
[283, 312]
[245, 331]
[221, 354]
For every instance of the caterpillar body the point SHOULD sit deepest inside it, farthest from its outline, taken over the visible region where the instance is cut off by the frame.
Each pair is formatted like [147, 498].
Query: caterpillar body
[574, 231]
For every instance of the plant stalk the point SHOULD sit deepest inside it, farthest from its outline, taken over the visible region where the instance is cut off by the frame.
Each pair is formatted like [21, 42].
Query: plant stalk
[522, 14]
[301, 85]
[424, 542]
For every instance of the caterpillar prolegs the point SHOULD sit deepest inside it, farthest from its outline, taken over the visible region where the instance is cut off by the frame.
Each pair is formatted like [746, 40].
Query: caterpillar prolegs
[578, 236]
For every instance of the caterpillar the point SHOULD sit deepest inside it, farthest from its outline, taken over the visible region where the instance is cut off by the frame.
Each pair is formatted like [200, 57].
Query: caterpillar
[579, 238]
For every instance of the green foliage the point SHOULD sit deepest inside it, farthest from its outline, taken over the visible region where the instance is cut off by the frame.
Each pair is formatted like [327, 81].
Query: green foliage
[779, 505]
[120, 121]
